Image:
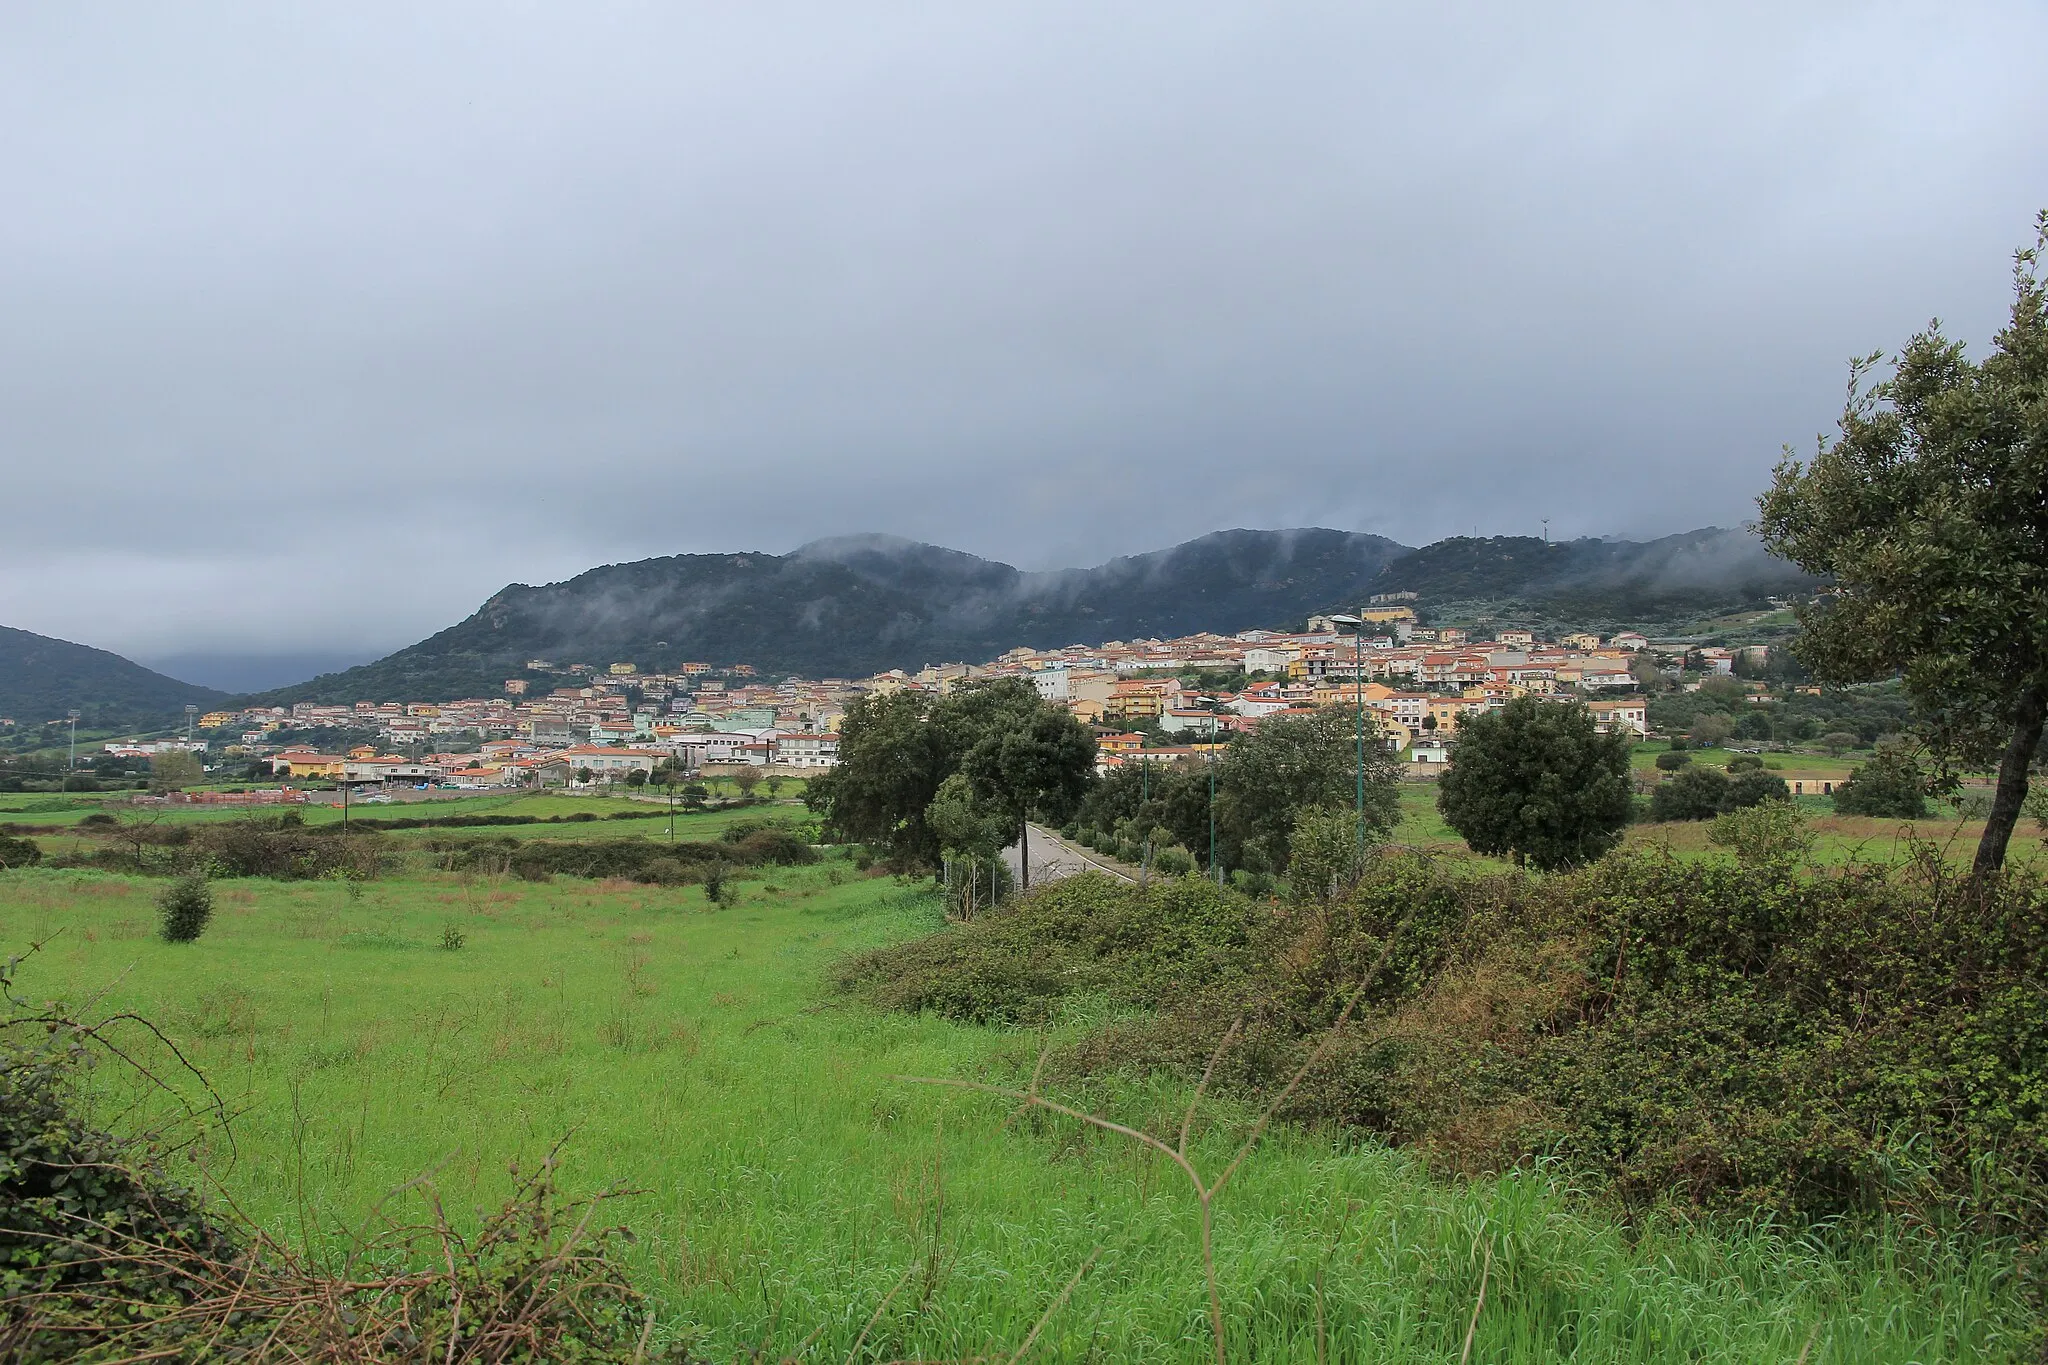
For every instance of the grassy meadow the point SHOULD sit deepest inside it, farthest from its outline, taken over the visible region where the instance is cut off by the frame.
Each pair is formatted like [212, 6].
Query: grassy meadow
[793, 1193]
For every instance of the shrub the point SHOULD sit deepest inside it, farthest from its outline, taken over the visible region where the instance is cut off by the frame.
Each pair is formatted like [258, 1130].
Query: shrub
[1890, 787]
[1725, 1037]
[1674, 760]
[285, 848]
[715, 883]
[1173, 861]
[183, 908]
[452, 937]
[19, 852]
[1763, 834]
[1086, 933]
[1691, 794]
[1753, 787]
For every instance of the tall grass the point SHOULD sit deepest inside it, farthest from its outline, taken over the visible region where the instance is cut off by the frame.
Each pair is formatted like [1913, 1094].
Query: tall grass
[795, 1192]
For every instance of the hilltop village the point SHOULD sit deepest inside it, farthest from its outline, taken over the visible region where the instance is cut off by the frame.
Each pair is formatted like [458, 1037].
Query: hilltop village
[1150, 699]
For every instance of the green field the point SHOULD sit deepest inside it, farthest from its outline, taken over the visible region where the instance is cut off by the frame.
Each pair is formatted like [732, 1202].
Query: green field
[788, 1180]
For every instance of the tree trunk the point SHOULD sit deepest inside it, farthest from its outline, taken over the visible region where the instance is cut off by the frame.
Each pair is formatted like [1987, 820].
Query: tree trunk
[1024, 849]
[2012, 780]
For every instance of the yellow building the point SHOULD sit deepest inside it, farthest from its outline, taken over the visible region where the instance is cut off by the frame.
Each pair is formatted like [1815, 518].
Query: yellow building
[1448, 711]
[1135, 700]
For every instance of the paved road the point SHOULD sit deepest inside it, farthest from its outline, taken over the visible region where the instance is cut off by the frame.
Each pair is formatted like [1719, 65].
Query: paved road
[1053, 858]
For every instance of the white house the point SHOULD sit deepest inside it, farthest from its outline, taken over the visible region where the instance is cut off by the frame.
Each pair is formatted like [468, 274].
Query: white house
[807, 751]
[1632, 713]
[605, 763]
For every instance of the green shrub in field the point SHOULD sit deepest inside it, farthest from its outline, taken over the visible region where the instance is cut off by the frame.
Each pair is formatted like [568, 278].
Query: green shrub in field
[1173, 861]
[1671, 762]
[1083, 934]
[1769, 833]
[1890, 787]
[1703, 793]
[1731, 1036]
[653, 861]
[184, 908]
[19, 852]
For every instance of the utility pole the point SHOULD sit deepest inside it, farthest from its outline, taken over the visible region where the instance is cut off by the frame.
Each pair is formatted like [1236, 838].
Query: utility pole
[190, 711]
[72, 764]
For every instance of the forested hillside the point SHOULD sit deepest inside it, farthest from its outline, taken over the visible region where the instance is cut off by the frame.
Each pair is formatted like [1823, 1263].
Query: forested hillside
[42, 678]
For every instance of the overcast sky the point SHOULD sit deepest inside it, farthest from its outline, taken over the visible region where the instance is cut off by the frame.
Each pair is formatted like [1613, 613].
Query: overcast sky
[321, 326]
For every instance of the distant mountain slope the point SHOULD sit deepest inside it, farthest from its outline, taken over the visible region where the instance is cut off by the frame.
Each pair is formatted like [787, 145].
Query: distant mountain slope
[856, 605]
[42, 678]
[860, 604]
[1591, 581]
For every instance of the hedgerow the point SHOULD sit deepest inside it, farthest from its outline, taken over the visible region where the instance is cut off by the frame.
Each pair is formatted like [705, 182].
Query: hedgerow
[1744, 1038]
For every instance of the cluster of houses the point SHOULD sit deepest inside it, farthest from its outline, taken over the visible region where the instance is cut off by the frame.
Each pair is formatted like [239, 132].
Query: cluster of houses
[1417, 685]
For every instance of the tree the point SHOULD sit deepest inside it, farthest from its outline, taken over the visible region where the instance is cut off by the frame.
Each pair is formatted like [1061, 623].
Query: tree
[1754, 787]
[1837, 742]
[1693, 794]
[1537, 780]
[1286, 765]
[1890, 787]
[1711, 728]
[890, 768]
[1040, 762]
[1673, 761]
[896, 751]
[1929, 510]
[173, 770]
[746, 779]
[636, 778]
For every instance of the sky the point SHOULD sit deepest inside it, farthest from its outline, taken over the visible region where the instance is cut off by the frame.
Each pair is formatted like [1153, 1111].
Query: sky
[323, 323]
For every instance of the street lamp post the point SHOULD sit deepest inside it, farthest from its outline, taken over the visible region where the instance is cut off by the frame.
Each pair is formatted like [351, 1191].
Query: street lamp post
[71, 764]
[190, 711]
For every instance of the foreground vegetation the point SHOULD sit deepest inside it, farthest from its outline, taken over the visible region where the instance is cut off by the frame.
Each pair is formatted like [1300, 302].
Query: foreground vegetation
[793, 1191]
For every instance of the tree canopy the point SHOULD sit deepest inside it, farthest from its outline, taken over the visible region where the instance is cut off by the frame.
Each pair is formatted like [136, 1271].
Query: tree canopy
[1015, 753]
[1930, 511]
[1536, 780]
[1286, 765]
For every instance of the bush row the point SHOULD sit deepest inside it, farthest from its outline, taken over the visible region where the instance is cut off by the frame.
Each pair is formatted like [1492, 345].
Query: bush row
[1745, 1038]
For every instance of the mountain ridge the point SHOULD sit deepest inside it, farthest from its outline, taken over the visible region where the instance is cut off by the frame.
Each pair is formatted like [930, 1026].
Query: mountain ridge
[854, 605]
[42, 677]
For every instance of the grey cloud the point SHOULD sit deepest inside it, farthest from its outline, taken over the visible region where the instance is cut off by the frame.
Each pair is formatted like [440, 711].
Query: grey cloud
[324, 325]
